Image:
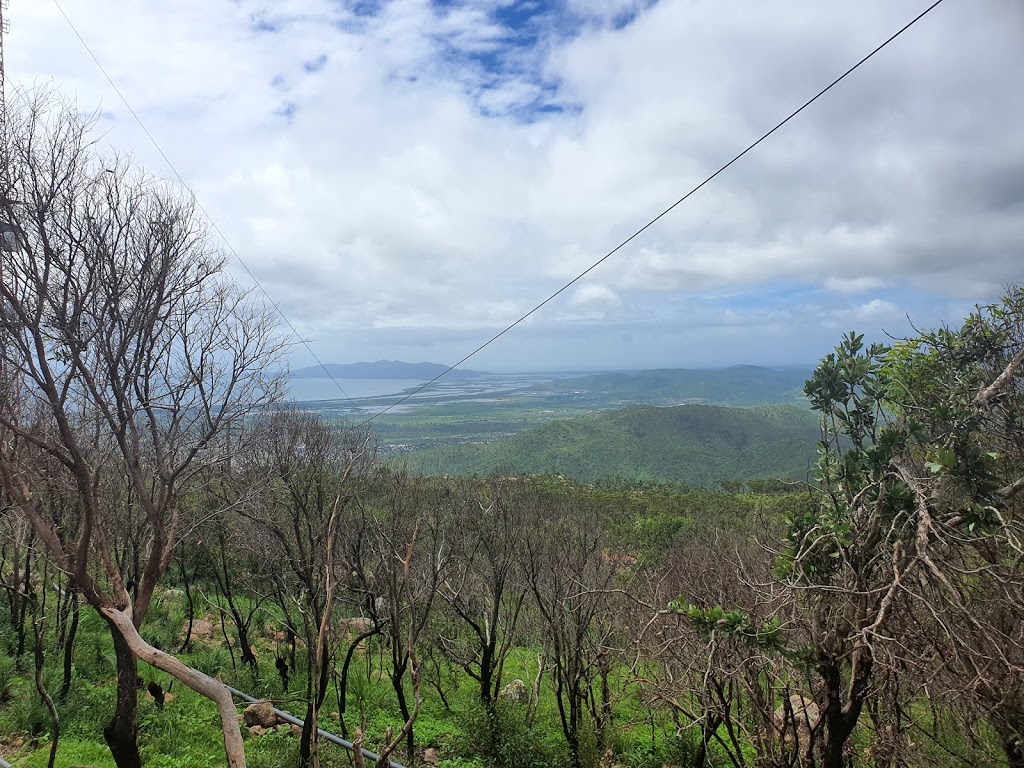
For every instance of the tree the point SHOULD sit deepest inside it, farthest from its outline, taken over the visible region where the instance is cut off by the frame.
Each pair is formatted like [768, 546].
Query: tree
[914, 552]
[960, 395]
[407, 559]
[130, 355]
[482, 588]
[569, 575]
[717, 671]
[306, 471]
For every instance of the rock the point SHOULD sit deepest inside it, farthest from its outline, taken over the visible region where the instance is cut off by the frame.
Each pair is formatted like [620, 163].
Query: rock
[261, 713]
[515, 692]
[430, 756]
[202, 630]
[797, 723]
[357, 625]
[296, 731]
[259, 730]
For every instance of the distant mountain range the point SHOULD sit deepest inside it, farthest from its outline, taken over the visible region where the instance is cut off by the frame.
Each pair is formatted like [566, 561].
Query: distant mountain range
[696, 445]
[382, 369]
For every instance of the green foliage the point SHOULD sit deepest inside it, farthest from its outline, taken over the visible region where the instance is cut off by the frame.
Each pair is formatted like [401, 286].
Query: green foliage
[74, 751]
[28, 713]
[692, 445]
[8, 676]
[735, 622]
[212, 661]
[505, 739]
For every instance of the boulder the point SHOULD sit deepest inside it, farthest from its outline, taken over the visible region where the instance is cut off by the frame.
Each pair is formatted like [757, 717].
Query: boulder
[202, 630]
[261, 713]
[515, 692]
[796, 723]
[357, 625]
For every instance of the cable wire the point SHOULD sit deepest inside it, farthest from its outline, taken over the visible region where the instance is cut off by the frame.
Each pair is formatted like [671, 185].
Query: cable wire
[209, 218]
[564, 287]
[661, 215]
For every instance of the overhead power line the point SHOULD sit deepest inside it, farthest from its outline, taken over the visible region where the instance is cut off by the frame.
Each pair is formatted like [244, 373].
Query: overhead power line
[661, 215]
[199, 205]
[552, 296]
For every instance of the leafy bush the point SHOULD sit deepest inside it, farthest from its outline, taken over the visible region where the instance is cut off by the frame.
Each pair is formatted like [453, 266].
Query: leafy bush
[509, 741]
[160, 636]
[212, 661]
[8, 677]
[28, 714]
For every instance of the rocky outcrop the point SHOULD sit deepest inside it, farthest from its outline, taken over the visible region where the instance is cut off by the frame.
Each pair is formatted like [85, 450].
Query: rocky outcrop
[261, 714]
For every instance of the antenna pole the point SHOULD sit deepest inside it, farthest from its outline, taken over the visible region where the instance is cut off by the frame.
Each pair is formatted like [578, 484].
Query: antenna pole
[5, 27]
[5, 187]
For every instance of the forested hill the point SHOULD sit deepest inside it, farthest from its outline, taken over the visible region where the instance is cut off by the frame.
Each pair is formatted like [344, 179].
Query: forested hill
[738, 385]
[696, 445]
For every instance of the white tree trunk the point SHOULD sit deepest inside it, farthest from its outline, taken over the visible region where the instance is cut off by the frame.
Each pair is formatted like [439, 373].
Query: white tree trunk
[202, 684]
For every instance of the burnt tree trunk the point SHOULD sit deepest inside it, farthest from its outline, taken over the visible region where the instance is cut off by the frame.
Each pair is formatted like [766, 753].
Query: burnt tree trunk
[121, 733]
[69, 644]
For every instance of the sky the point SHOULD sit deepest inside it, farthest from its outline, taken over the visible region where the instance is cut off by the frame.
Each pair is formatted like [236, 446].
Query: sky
[407, 177]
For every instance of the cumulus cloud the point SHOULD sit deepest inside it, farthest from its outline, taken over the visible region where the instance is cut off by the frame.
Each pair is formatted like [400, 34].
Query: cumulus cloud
[426, 167]
[594, 296]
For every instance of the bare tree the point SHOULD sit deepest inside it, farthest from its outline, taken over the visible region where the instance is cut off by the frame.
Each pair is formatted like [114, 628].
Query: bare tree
[569, 576]
[482, 586]
[307, 472]
[715, 683]
[132, 355]
[408, 556]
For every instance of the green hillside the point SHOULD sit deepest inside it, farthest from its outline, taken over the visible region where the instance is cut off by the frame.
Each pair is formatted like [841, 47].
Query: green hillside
[696, 445]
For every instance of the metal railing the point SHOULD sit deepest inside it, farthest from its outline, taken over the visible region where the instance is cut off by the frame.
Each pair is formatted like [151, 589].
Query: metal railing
[330, 737]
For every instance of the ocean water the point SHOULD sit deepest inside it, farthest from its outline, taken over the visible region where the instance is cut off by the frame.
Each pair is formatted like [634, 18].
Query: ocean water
[308, 390]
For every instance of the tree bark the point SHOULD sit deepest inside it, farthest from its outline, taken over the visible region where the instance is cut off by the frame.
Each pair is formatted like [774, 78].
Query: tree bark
[69, 644]
[45, 695]
[121, 733]
[217, 692]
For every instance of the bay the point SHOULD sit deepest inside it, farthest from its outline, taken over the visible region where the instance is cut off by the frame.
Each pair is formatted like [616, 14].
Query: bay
[312, 390]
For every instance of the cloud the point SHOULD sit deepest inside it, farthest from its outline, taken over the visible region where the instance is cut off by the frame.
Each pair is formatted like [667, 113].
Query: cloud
[876, 309]
[852, 285]
[594, 296]
[422, 167]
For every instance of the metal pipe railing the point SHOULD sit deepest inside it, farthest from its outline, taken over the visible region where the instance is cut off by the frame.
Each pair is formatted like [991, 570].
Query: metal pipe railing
[293, 721]
[288, 718]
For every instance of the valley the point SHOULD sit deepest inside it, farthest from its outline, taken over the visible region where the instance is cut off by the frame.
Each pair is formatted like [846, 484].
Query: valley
[696, 427]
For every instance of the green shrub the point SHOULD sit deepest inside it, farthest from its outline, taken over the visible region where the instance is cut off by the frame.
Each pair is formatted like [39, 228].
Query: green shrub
[95, 653]
[462, 762]
[8, 676]
[509, 741]
[212, 661]
[28, 714]
[160, 636]
[276, 750]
